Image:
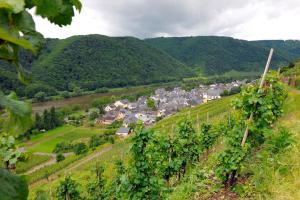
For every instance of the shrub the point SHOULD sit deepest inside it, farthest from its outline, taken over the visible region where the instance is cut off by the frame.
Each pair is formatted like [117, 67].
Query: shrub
[59, 157]
[95, 141]
[41, 195]
[63, 147]
[65, 94]
[80, 148]
[116, 124]
[280, 142]
[67, 188]
[102, 90]
[93, 115]
[35, 88]
[40, 96]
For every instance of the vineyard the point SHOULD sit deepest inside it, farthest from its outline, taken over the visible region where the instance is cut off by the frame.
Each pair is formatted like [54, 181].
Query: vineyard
[196, 153]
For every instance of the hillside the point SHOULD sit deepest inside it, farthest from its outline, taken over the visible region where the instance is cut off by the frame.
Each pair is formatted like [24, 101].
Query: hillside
[290, 49]
[217, 55]
[99, 61]
[96, 61]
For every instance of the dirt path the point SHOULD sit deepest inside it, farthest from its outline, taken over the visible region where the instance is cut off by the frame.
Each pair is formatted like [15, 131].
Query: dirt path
[45, 164]
[72, 166]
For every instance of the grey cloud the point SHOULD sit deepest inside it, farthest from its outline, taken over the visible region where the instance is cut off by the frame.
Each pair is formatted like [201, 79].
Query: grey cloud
[148, 18]
[246, 19]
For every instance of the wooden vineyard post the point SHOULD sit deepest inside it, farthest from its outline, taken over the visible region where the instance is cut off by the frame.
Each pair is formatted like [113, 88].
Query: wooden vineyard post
[260, 86]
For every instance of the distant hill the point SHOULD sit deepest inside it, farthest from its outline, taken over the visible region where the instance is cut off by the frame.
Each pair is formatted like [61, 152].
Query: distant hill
[99, 61]
[217, 55]
[95, 61]
[290, 49]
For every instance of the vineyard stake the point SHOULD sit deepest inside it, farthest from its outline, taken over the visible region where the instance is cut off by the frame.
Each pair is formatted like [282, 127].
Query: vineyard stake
[260, 86]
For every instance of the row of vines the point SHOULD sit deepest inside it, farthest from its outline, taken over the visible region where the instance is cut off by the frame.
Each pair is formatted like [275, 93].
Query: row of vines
[159, 161]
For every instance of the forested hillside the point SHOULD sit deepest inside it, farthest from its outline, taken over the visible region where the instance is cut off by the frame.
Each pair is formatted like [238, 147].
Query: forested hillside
[96, 61]
[216, 55]
[290, 49]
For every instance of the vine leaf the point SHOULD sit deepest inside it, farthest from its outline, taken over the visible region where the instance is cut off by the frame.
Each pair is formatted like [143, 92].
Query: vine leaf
[15, 6]
[4, 35]
[19, 112]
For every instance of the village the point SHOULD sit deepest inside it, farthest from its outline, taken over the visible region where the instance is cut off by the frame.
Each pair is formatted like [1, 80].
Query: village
[163, 103]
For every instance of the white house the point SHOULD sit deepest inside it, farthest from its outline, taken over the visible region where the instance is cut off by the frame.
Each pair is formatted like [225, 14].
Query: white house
[123, 131]
[109, 108]
[122, 103]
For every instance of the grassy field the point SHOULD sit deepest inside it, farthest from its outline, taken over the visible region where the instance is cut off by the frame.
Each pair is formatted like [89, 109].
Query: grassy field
[46, 142]
[31, 162]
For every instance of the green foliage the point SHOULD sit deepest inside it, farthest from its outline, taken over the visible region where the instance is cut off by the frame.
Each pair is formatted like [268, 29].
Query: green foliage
[19, 114]
[59, 157]
[97, 140]
[187, 144]
[116, 124]
[41, 195]
[63, 147]
[102, 102]
[65, 94]
[102, 90]
[96, 61]
[116, 189]
[18, 28]
[12, 186]
[68, 189]
[80, 148]
[40, 96]
[207, 138]
[48, 121]
[216, 55]
[93, 115]
[151, 103]
[280, 142]
[9, 153]
[32, 160]
[266, 105]
[234, 90]
[142, 183]
[96, 188]
[32, 89]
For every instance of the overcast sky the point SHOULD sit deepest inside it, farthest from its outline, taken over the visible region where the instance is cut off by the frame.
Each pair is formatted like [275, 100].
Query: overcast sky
[244, 19]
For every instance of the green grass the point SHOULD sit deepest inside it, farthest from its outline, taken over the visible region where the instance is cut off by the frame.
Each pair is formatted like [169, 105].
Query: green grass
[46, 142]
[215, 109]
[270, 177]
[82, 174]
[40, 174]
[31, 162]
[279, 178]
